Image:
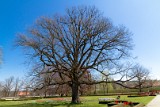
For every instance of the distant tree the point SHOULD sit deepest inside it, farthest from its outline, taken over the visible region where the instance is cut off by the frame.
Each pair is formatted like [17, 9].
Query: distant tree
[141, 79]
[106, 85]
[17, 85]
[80, 41]
[1, 89]
[85, 89]
[8, 86]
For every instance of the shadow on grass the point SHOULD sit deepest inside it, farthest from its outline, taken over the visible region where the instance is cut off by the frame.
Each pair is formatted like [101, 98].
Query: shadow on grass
[40, 105]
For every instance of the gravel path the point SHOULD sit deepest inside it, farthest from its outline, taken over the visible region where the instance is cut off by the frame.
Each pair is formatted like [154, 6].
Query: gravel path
[155, 102]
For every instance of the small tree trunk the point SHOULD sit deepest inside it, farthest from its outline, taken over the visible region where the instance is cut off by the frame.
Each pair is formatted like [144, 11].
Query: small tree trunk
[107, 87]
[75, 93]
[95, 89]
[45, 92]
[104, 89]
[140, 89]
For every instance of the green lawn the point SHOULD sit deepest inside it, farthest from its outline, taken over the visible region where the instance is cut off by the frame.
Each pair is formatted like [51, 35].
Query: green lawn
[87, 101]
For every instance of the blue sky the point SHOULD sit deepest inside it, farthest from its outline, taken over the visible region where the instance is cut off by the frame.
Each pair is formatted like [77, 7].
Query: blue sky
[141, 17]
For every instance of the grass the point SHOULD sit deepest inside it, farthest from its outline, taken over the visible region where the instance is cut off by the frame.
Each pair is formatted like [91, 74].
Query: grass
[87, 101]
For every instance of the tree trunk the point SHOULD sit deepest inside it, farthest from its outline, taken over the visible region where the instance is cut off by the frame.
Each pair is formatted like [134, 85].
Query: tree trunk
[107, 87]
[45, 92]
[104, 89]
[95, 89]
[140, 89]
[75, 93]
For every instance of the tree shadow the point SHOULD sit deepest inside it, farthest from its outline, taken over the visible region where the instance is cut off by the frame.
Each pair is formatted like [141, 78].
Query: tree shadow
[40, 105]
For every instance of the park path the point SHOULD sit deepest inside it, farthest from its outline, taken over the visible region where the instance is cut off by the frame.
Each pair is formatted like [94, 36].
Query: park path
[155, 102]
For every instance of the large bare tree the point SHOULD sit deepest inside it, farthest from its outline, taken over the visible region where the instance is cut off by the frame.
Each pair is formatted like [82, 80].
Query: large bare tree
[82, 40]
